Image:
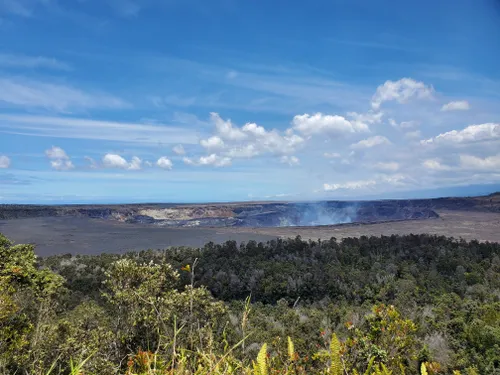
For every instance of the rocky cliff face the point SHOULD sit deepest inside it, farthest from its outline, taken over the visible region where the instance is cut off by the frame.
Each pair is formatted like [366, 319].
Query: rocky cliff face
[24, 211]
[260, 214]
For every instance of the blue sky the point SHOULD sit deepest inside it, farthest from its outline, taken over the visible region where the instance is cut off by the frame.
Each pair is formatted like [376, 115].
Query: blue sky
[182, 101]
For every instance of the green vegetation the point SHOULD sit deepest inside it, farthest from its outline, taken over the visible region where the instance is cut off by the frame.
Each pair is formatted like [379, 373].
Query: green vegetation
[380, 305]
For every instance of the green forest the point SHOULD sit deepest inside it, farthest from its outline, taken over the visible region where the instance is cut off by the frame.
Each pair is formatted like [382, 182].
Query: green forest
[414, 304]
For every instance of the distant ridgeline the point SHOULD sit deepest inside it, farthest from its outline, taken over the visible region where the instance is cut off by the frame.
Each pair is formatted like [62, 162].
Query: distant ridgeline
[260, 214]
[369, 305]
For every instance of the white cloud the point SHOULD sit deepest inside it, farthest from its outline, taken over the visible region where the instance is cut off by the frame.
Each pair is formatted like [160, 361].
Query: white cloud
[388, 166]
[254, 129]
[4, 162]
[225, 129]
[326, 124]
[250, 140]
[456, 106]
[212, 143]
[215, 160]
[164, 163]
[435, 165]
[28, 93]
[371, 142]
[78, 128]
[147, 163]
[60, 161]
[353, 185]
[228, 141]
[471, 134]
[61, 165]
[400, 180]
[490, 163]
[22, 61]
[56, 153]
[403, 124]
[275, 143]
[290, 160]
[380, 181]
[362, 119]
[135, 164]
[212, 159]
[179, 150]
[401, 91]
[116, 161]
[332, 155]
[280, 195]
[247, 151]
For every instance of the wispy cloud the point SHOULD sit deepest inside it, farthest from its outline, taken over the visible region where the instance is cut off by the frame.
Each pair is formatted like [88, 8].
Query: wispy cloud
[471, 134]
[125, 8]
[435, 165]
[179, 150]
[375, 44]
[370, 142]
[23, 8]
[379, 181]
[290, 160]
[309, 89]
[4, 162]
[24, 61]
[13, 179]
[255, 87]
[476, 83]
[462, 105]
[27, 93]
[78, 128]
[175, 100]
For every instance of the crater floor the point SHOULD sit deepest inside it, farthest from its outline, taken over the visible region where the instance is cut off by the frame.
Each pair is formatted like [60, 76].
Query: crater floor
[82, 235]
[469, 225]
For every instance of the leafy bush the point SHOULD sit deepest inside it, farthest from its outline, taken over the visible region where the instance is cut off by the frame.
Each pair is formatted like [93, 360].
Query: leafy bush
[378, 305]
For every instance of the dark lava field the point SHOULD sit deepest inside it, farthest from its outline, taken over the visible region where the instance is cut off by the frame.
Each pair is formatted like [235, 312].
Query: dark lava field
[92, 229]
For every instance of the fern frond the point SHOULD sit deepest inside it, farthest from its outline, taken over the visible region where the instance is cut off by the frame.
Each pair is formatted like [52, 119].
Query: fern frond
[336, 365]
[262, 360]
[291, 349]
[255, 368]
[385, 370]
[370, 365]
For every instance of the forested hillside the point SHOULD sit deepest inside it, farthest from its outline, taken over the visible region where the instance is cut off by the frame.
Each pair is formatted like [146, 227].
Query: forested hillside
[379, 305]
